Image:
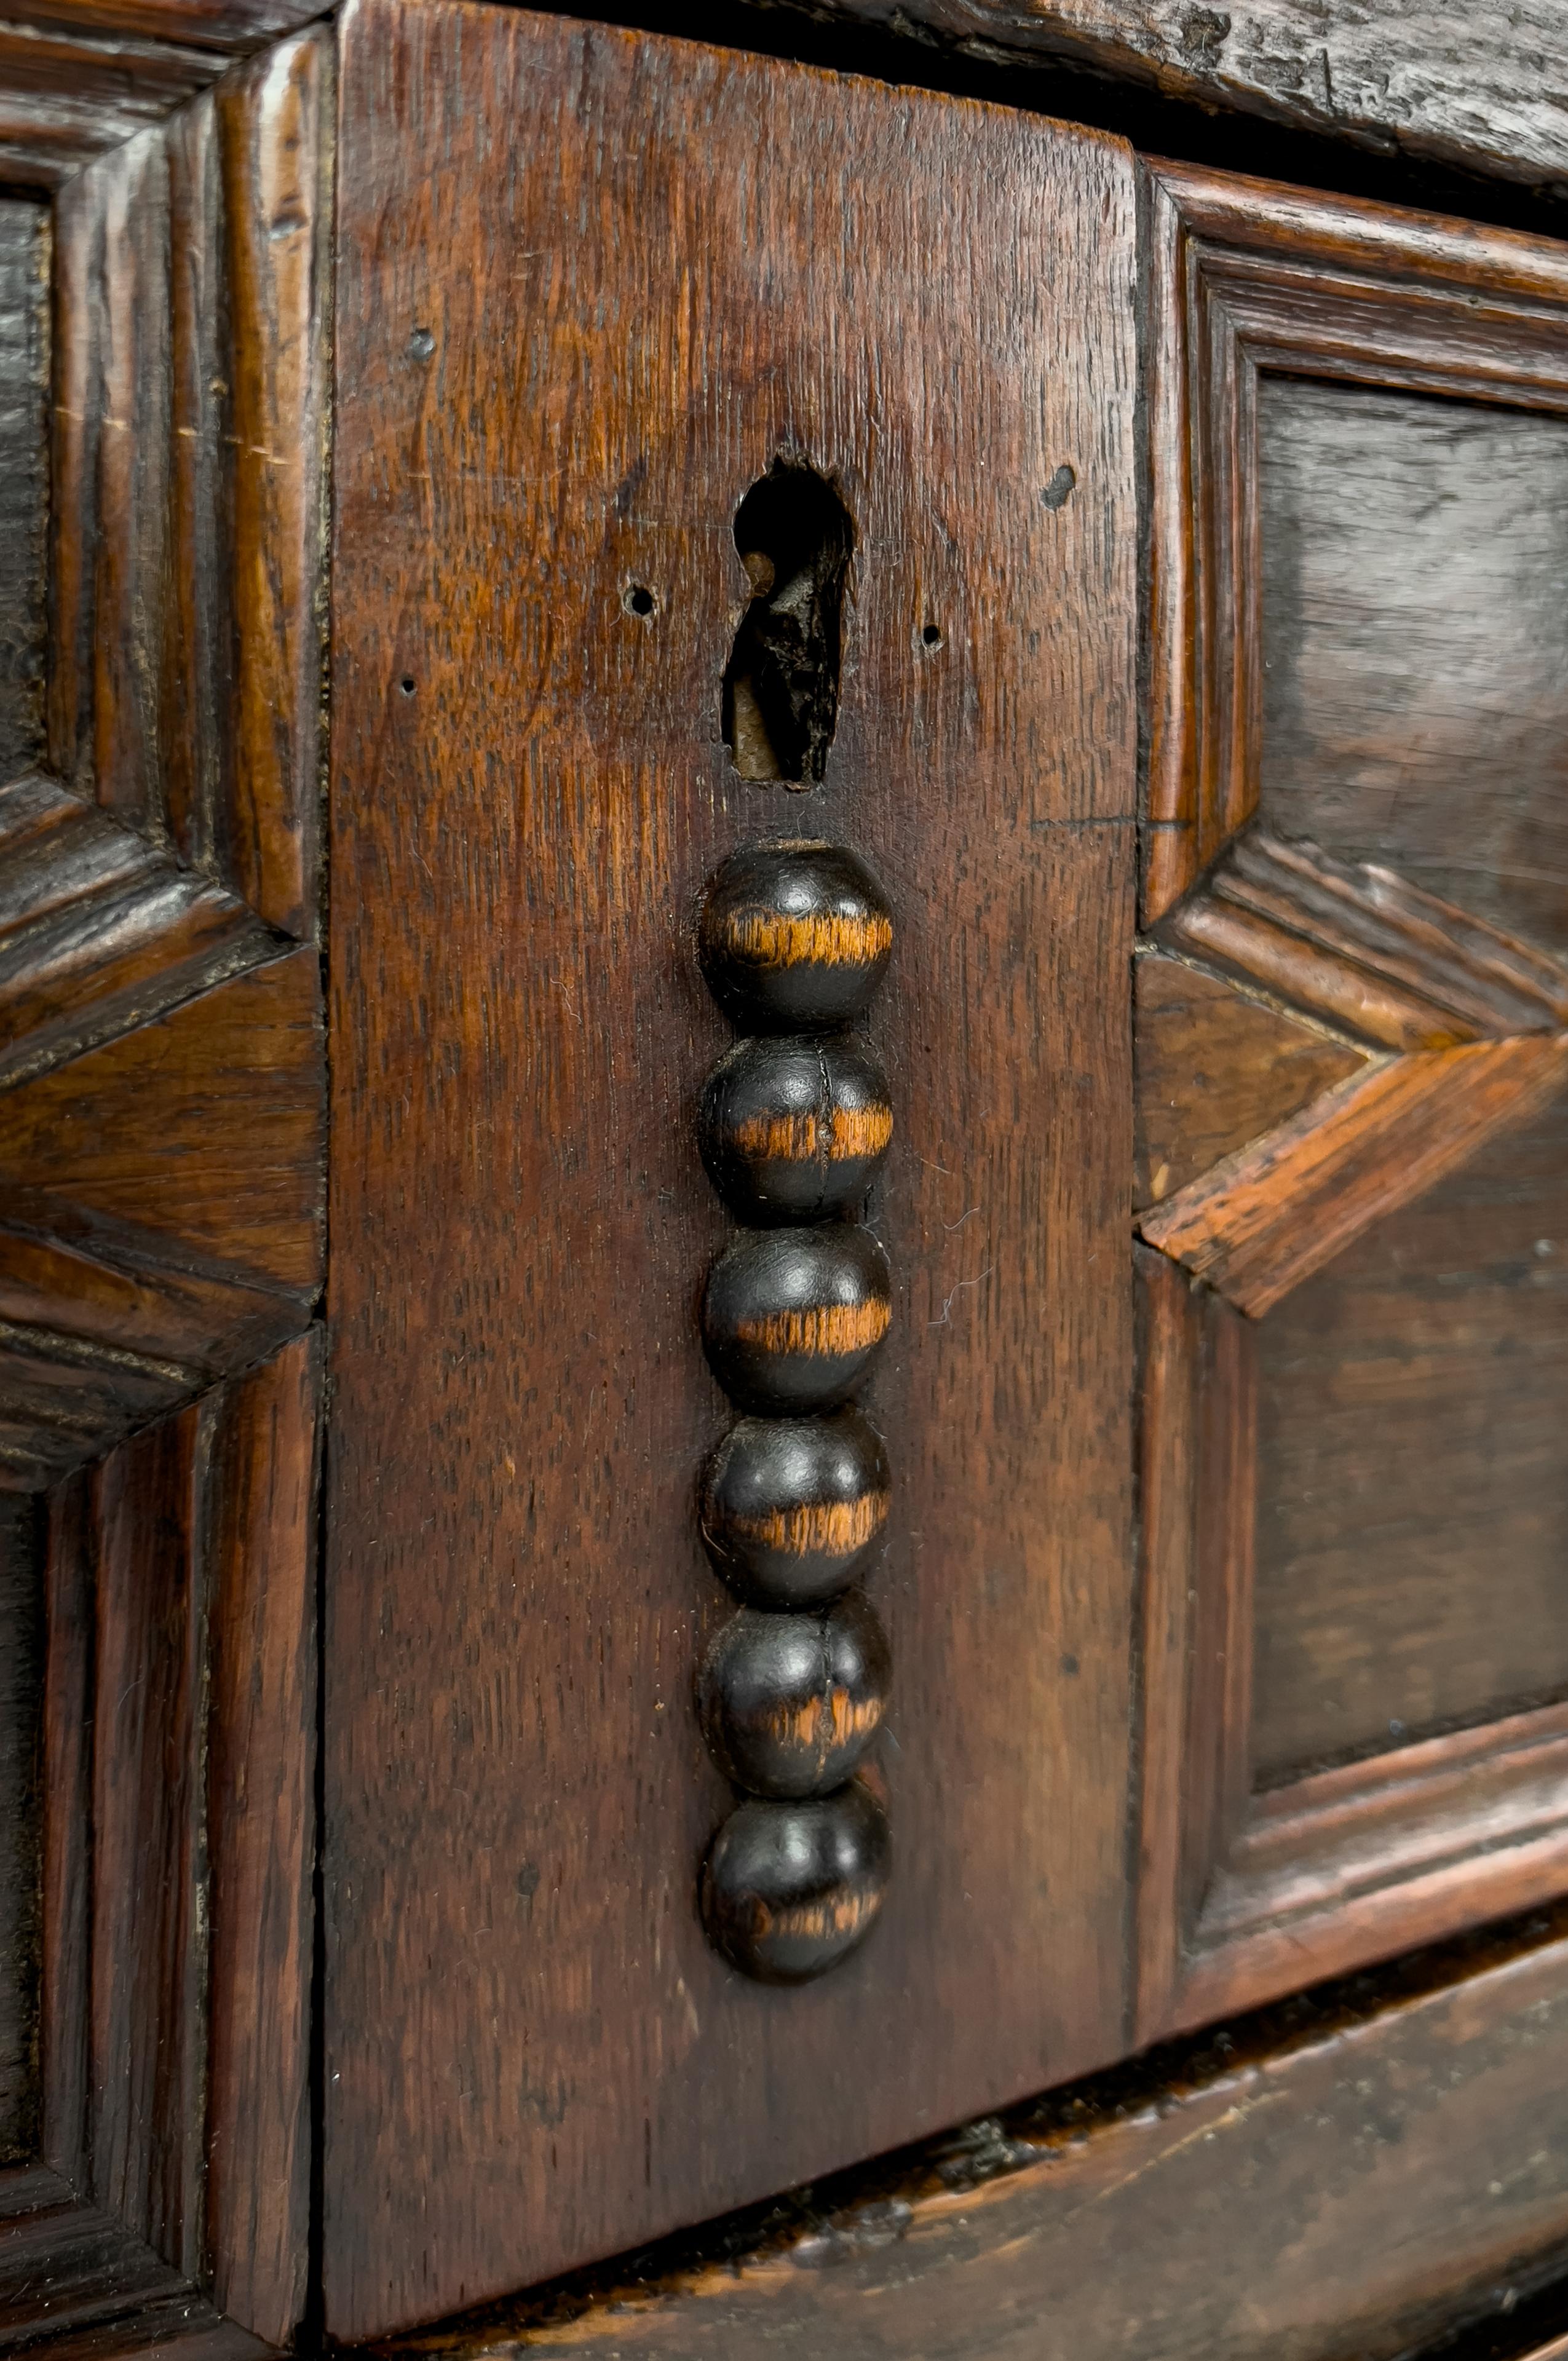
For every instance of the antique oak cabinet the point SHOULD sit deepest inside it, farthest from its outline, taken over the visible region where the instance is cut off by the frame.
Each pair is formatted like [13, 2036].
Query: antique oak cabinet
[784, 1179]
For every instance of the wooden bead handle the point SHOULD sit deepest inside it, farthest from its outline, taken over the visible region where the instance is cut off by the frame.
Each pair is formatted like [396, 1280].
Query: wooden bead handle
[794, 940]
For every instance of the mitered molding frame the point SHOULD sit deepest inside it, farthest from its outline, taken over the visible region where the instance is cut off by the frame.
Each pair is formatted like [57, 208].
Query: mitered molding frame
[1461, 1031]
[162, 1142]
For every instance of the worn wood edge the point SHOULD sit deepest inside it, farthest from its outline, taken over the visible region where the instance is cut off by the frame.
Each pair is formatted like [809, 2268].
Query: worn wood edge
[262, 1837]
[1268, 1217]
[191, 418]
[867, 2248]
[1237, 59]
[1323, 1841]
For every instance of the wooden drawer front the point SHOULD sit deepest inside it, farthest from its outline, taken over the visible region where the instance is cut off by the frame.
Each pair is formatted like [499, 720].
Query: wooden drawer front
[592, 286]
[1353, 1051]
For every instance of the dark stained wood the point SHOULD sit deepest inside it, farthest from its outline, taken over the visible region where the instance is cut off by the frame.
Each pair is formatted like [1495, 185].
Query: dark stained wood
[1413, 1513]
[24, 373]
[1471, 83]
[1266, 1218]
[1415, 708]
[188, 461]
[276, 120]
[203, 1128]
[72, 2277]
[1383, 2122]
[149, 1931]
[97, 931]
[1244, 282]
[65, 1898]
[1215, 1069]
[1357, 944]
[21, 1659]
[78, 77]
[516, 1793]
[260, 1836]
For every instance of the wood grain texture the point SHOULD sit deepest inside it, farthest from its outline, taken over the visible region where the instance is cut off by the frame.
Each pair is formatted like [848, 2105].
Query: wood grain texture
[204, 1129]
[1215, 1069]
[1415, 690]
[1411, 1503]
[260, 1836]
[1382, 2125]
[149, 1931]
[1271, 1214]
[1248, 1889]
[517, 1797]
[190, 469]
[80, 77]
[178, 1748]
[65, 1883]
[1475, 85]
[98, 932]
[24, 476]
[73, 2279]
[1242, 283]
[21, 1665]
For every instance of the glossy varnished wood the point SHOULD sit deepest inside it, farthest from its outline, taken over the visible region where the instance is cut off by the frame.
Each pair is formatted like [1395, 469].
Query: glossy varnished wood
[517, 1794]
[1381, 2124]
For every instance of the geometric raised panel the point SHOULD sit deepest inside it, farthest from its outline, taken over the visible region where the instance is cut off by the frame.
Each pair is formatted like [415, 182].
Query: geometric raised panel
[1354, 1337]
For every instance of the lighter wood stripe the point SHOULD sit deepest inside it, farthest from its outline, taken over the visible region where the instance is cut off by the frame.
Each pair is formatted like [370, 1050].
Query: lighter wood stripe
[829, 1329]
[821, 1528]
[801, 1138]
[765, 939]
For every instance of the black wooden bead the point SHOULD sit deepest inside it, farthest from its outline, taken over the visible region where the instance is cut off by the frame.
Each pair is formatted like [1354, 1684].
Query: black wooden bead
[790, 1703]
[791, 1130]
[788, 1890]
[795, 936]
[791, 1317]
[790, 1506]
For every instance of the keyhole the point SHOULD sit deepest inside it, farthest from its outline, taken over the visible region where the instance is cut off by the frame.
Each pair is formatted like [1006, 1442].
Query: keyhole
[781, 688]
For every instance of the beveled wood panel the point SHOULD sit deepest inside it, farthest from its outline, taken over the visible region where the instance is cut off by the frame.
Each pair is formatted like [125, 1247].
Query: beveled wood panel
[532, 631]
[1383, 2122]
[1415, 653]
[21, 1655]
[192, 286]
[24, 492]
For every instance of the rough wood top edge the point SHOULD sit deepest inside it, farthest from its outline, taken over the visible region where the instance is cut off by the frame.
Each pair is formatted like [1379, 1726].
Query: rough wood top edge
[1427, 81]
[862, 2266]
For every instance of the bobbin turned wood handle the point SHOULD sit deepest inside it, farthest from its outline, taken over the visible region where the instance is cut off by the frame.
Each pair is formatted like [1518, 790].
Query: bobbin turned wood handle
[795, 1118]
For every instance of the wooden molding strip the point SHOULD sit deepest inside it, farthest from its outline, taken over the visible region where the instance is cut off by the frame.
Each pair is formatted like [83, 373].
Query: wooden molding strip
[1266, 1217]
[191, 336]
[80, 77]
[1381, 2122]
[1358, 947]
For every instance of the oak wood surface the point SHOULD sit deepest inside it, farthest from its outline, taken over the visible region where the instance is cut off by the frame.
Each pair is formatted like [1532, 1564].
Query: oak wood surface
[1410, 1497]
[1245, 282]
[1338, 2177]
[21, 1653]
[1473, 83]
[1415, 682]
[531, 787]
[190, 305]
[24, 351]
[1214, 1069]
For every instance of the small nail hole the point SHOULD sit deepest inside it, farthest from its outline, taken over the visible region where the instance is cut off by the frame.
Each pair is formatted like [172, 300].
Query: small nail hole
[1056, 492]
[932, 635]
[406, 683]
[638, 599]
